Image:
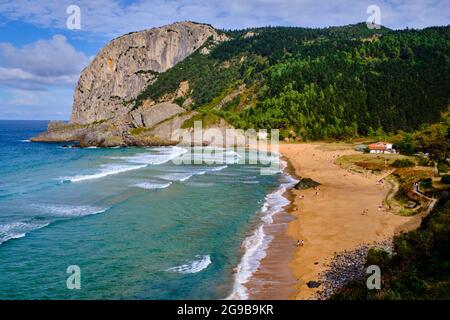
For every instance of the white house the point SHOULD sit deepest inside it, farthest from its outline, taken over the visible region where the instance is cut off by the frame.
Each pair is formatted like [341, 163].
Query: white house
[381, 147]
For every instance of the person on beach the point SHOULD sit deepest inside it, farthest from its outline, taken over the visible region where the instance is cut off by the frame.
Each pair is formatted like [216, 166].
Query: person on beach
[300, 243]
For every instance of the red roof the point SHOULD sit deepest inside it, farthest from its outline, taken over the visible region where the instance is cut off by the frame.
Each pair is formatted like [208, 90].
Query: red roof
[378, 146]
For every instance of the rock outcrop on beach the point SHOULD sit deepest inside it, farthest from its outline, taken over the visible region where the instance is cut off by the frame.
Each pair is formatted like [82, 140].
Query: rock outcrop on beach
[306, 183]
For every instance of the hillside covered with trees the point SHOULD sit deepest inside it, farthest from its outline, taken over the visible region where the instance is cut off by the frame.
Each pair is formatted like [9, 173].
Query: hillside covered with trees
[337, 82]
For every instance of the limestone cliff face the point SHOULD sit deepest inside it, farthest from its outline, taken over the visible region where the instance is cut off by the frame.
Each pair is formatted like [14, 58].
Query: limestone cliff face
[126, 65]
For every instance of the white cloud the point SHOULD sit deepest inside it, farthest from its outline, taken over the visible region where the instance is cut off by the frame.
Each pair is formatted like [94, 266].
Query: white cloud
[44, 62]
[109, 18]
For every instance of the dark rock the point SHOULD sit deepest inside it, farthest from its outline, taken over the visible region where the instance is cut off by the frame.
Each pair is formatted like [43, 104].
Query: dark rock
[306, 183]
[313, 284]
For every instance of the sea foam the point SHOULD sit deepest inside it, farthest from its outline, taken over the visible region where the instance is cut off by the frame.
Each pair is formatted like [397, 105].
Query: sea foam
[139, 161]
[164, 155]
[16, 230]
[70, 211]
[201, 263]
[150, 186]
[106, 170]
[255, 246]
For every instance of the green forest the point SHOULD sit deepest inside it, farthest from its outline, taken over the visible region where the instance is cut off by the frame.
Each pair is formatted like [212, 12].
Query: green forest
[329, 83]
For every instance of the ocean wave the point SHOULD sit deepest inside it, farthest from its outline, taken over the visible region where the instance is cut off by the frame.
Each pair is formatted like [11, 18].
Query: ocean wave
[107, 170]
[255, 246]
[201, 184]
[69, 210]
[250, 182]
[201, 263]
[143, 160]
[25, 140]
[16, 230]
[184, 175]
[164, 155]
[150, 186]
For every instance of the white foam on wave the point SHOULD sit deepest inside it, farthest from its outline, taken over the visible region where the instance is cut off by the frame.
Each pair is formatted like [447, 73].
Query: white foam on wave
[218, 168]
[106, 170]
[255, 250]
[26, 140]
[164, 155]
[150, 186]
[201, 263]
[186, 174]
[255, 246]
[250, 182]
[16, 230]
[69, 210]
[214, 155]
[142, 160]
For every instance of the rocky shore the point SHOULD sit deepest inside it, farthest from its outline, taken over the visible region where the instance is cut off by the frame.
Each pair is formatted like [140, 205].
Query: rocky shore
[347, 266]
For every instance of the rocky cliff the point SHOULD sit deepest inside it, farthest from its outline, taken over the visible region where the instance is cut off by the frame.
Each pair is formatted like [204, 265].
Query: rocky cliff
[126, 65]
[103, 113]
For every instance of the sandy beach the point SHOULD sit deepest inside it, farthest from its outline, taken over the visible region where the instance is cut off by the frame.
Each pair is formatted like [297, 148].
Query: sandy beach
[342, 214]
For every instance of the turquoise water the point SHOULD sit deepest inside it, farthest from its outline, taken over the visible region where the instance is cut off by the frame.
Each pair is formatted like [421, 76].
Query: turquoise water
[138, 225]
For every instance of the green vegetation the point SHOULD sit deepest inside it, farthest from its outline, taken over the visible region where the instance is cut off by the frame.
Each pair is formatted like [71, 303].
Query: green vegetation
[340, 82]
[208, 120]
[403, 163]
[445, 179]
[426, 183]
[208, 77]
[420, 267]
[139, 131]
[371, 162]
[433, 139]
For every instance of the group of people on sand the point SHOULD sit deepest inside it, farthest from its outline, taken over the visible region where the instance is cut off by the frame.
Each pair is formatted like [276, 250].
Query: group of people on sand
[300, 243]
[317, 189]
[366, 211]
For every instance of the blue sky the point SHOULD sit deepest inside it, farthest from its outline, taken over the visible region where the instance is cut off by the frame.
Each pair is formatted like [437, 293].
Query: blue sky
[41, 59]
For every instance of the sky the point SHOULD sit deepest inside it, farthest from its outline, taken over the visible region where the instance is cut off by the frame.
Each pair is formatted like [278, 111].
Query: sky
[41, 58]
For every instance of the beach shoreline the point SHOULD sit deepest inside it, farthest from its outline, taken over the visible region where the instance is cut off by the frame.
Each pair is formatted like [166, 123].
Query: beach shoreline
[330, 220]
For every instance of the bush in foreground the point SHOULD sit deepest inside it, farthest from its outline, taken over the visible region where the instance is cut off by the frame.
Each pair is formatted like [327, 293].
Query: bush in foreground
[403, 163]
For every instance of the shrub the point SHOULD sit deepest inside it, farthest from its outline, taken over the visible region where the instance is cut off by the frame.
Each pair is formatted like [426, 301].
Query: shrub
[403, 163]
[377, 256]
[443, 167]
[446, 179]
[424, 161]
[427, 183]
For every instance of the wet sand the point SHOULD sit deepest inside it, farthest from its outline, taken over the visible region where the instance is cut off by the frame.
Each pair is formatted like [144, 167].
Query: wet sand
[331, 221]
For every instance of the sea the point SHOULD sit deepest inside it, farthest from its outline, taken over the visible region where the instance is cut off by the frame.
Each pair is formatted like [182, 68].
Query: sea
[130, 223]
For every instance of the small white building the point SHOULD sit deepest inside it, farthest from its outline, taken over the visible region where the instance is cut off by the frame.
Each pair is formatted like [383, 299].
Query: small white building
[381, 147]
[262, 135]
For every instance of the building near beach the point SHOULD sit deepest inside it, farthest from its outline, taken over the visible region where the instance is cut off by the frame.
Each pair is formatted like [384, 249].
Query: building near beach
[381, 147]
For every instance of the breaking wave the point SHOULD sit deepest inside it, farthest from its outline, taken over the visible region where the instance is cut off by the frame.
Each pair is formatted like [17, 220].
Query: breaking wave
[201, 263]
[255, 246]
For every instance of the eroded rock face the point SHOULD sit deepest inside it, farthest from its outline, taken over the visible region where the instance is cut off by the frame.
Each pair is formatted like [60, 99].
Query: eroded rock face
[102, 112]
[150, 115]
[126, 65]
